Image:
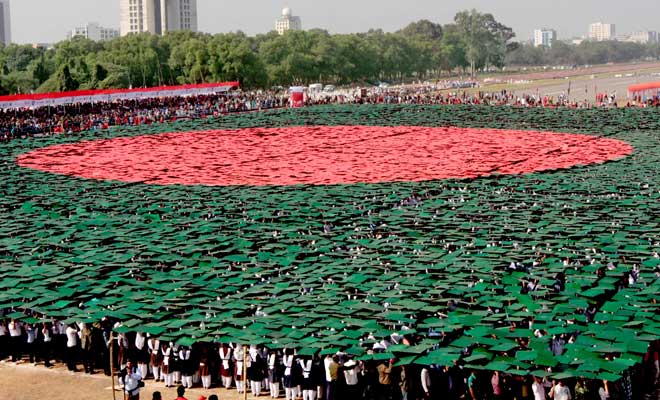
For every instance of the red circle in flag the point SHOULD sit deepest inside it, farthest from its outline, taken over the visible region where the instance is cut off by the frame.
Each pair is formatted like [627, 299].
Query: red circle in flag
[322, 155]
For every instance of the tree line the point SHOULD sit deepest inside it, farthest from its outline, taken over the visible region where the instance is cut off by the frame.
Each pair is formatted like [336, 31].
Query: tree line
[585, 53]
[422, 50]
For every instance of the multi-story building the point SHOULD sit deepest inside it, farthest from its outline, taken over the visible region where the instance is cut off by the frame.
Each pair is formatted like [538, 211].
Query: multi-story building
[157, 16]
[643, 37]
[600, 31]
[544, 37]
[287, 22]
[94, 32]
[5, 20]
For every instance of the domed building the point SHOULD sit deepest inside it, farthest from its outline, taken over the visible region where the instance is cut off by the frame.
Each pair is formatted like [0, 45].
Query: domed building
[287, 22]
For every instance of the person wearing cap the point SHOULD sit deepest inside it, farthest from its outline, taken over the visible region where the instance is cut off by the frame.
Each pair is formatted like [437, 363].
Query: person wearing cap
[226, 373]
[130, 378]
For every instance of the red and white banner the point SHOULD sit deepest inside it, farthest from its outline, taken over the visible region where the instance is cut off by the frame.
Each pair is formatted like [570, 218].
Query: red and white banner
[94, 96]
[297, 96]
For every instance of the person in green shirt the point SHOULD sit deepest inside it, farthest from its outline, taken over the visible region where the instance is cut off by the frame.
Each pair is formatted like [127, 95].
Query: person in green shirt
[472, 385]
[581, 390]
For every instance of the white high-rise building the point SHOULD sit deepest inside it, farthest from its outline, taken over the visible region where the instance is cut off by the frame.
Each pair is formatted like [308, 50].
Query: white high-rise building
[544, 37]
[287, 22]
[157, 16]
[5, 20]
[600, 31]
[94, 32]
[643, 37]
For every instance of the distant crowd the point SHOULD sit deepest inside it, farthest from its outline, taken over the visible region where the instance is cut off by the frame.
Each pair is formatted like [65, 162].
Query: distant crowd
[72, 118]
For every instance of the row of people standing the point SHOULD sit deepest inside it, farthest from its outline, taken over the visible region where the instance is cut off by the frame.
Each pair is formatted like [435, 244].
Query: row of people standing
[47, 342]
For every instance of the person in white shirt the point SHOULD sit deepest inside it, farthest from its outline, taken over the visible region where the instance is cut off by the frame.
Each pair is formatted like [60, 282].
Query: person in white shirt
[30, 342]
[130, 378]
[71, 347]
[15, 331]
[537, 389]
[239, 362]
[273, 375]
[166, 370]
[426, 382]
[186, 367]
[141, 355]
[560, 391]
[154, 357]
[226, 372]
[59, 345]
[46, 344]
[289, 384]
[351, 373]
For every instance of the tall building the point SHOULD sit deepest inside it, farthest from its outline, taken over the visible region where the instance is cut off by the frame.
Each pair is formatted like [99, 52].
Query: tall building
[600, 31]
[643, 37]
[94, 32]
[5, 20]
[287, 22]
[157, 16]
[544, 37]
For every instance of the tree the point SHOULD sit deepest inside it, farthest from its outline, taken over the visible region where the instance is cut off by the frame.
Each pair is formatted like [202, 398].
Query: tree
[484, 38]
[422, 29]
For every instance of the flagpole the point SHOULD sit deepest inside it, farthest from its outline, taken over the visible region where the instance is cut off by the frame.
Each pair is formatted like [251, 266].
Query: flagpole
[245, 350]
[112, 365]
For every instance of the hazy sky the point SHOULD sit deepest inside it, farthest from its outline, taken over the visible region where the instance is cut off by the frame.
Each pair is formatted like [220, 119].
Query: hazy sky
[49, 20]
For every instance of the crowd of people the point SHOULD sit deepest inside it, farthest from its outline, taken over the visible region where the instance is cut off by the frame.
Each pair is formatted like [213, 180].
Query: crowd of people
[259, 370]
[74, 118]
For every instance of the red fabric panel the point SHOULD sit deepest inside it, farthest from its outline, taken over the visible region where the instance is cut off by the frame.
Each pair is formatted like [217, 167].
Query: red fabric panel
[322, 155]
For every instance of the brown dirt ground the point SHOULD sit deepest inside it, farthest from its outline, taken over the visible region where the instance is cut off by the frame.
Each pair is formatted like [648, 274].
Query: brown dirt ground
[28, 382]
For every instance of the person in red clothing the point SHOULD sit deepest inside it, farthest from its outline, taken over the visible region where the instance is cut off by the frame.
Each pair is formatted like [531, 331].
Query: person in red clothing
[180, 391]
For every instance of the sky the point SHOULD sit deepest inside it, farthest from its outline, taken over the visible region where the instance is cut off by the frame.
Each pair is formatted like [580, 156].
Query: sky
[47, 21]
